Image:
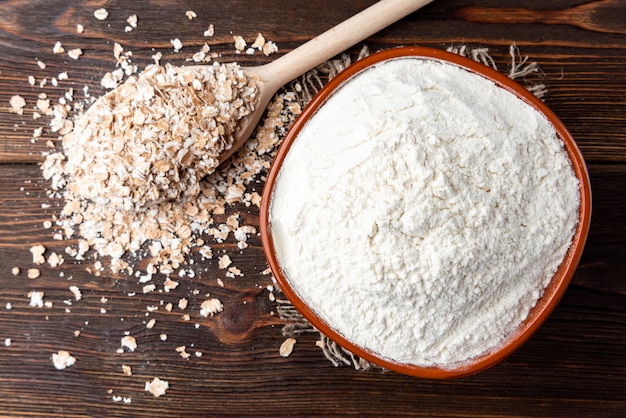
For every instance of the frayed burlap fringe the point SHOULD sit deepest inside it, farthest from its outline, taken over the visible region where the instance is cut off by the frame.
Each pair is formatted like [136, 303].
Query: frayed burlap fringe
[518, 70]
[307, 86]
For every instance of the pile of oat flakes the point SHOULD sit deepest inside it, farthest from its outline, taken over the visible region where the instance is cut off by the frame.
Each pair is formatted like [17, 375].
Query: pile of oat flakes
[131, 170]
[150, 196]
[133, 166]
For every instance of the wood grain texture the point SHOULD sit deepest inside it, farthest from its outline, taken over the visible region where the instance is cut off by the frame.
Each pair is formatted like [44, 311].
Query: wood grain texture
[574, 366]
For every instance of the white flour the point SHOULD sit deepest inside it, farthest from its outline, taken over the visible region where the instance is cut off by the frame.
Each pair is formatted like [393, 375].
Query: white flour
[422, 211]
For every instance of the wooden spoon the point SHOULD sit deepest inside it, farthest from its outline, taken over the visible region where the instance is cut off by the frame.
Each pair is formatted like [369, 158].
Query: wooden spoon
[270, 77]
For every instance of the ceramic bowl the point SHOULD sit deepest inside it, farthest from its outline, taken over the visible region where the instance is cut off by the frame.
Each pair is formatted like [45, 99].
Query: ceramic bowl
[552, 294]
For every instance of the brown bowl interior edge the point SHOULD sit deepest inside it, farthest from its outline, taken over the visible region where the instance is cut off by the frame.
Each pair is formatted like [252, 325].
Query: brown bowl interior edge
[553, 292]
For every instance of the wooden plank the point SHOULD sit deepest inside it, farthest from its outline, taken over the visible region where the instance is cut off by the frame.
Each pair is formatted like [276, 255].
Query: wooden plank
[240, 368]
[581, 68]
[573, 366]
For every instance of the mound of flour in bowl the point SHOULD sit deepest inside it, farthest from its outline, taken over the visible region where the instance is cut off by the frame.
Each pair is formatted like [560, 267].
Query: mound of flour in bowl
[422, 211]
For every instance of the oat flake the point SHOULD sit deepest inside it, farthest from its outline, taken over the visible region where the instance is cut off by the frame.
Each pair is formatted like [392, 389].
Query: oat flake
[37, 252]
[129, 342]
[101, 14]
[75, 53]
[62, 360]
[17, 103]
[58, 48]
[210, 307]
[33, 273]
[157, 387]
[287, 347]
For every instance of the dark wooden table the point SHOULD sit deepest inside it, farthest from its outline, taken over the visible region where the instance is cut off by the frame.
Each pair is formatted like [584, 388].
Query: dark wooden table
[574, 366]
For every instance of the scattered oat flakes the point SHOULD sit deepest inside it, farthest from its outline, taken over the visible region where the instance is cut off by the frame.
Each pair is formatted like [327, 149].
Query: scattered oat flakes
[183, 353]
[191, 14]
[46, 224]
[17, 103]
[101, 14]
[8, 306]
[58, 48]
[163, 337]
[149, 288]
[129, 342]
[63, 76]
[41, 64]
[210, 307]
[182, 304]
[177, 44]
[62, 359]
[33, 273]
[269, 48]
[31, 80]
[132, 21]
[80, 28]
[125, 399]
[7, 342]
[55, 260]
[151, 323]
[15, 271]
[157, 387]
[75, 53]
[287, 347]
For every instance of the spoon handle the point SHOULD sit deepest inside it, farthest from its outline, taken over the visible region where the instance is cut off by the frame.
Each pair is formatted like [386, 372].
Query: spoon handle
[339, 38]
